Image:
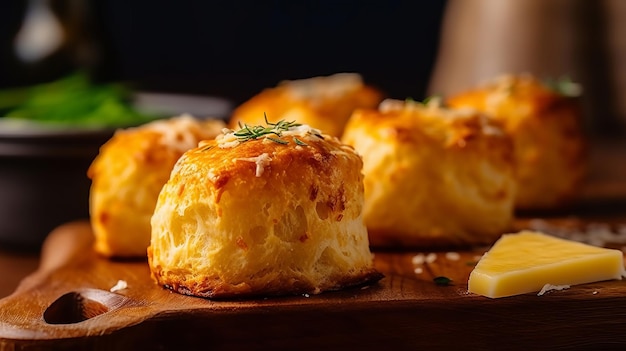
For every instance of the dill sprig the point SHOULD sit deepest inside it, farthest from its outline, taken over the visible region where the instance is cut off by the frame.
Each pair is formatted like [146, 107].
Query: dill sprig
[247, 132]
[300, 142]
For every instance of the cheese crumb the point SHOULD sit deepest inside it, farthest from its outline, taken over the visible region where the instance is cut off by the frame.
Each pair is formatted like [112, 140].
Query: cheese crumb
[596, 234]
[431, 257]
[421, 258]
[261, 161]
[453, 256]
[418, 259]
[120, 285]
[549, 287]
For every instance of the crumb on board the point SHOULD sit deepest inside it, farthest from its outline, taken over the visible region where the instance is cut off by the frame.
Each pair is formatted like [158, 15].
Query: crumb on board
[597, 234]
[418, 259]
[120, 285]
[421, 258]
[453, 256]
[431, 257]
[549, 287]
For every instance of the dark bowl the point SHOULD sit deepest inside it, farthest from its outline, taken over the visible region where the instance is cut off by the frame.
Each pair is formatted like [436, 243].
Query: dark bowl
[44, 183]
[43, 171]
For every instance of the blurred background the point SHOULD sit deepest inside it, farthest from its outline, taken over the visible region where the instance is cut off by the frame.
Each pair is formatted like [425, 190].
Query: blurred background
[232, 49]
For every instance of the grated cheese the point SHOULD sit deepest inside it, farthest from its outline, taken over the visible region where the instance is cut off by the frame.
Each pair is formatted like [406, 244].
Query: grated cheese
[261, 161]
[227, 139]
[597, 234]
[177, 132]
[120, 285]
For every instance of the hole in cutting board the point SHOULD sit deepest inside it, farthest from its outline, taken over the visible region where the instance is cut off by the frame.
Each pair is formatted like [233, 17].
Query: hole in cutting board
[73, 308]
[79, 306]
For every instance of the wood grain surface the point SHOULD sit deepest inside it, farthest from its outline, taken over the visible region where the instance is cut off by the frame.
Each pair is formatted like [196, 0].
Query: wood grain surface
[66, 303]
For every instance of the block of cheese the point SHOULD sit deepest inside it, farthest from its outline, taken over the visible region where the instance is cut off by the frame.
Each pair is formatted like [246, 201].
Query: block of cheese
[525, 262]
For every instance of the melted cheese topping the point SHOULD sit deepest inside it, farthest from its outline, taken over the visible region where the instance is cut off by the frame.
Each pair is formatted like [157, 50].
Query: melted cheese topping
[526, 261]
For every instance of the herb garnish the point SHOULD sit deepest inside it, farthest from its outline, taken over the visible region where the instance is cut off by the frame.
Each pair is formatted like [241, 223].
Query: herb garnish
[247, 132]
[436, 100]
[432, 100]
[442, 281]
[271, 131]
[299, 142]
[279, 141]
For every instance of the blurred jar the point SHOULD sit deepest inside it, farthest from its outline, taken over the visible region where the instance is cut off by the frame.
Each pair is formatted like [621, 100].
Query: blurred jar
[581, 39]
[56, 38]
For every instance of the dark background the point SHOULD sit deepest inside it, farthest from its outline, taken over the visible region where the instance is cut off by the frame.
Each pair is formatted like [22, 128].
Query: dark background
[234, 49]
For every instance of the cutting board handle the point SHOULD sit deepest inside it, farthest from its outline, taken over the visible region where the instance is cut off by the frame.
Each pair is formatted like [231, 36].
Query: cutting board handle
[63, 246]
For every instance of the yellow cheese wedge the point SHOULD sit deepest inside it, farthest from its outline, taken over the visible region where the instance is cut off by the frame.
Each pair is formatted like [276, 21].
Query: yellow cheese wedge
[525, 262]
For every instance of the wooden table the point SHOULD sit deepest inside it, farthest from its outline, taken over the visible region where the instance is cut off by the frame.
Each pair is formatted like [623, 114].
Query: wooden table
[405, 309]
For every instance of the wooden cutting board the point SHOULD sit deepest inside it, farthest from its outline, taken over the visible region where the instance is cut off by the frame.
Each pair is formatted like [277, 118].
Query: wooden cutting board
[67, 304]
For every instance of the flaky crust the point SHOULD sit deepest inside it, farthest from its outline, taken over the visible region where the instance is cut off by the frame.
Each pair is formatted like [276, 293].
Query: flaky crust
[324, 102]
[434, 177]
[550, 146]
[262, 218]
[127, 176]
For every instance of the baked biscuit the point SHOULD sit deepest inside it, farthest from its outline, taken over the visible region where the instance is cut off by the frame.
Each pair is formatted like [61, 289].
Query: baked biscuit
[434, 177]
[544, 121]
[324, 102]
[127, 176]
[266, 210]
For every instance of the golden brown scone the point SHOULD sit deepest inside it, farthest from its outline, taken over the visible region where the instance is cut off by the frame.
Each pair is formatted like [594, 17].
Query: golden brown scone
[324, 102]
[547, 132]
[434, 177]
[127, 176]
[262, 217]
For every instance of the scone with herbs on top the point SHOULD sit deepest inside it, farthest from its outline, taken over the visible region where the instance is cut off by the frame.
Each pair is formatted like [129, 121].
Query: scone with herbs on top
[273, 209]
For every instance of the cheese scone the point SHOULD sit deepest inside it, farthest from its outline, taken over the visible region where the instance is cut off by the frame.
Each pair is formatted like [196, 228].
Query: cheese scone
[434, 177]
[273, 211]
[324, 102]
[127, 176]
[546, 127]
